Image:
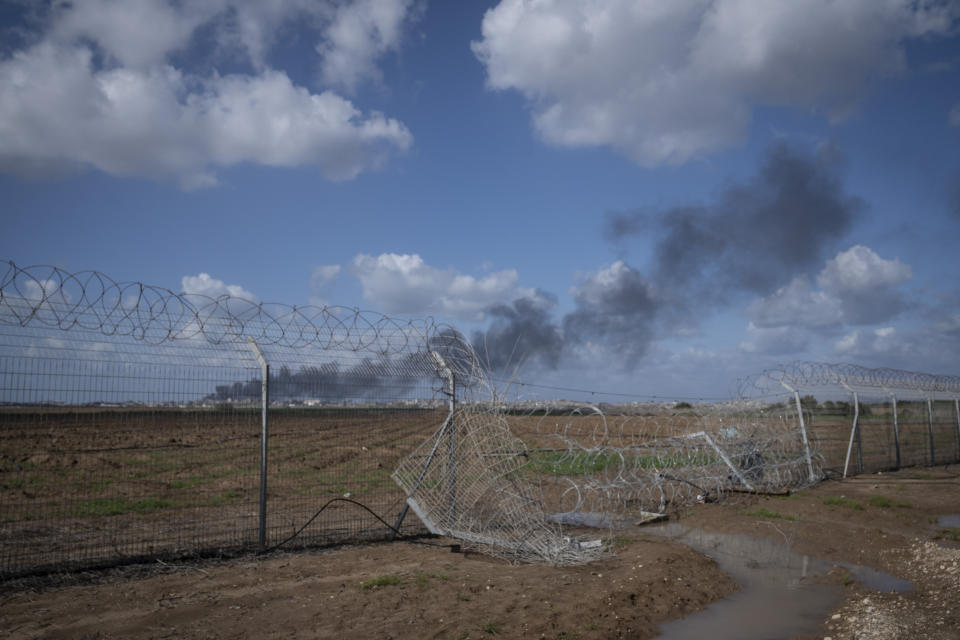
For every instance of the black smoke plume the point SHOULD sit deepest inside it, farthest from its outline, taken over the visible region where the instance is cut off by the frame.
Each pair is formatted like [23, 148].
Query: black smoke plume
[617, 308]
[369, 379]
[755, 237]
[520, 333]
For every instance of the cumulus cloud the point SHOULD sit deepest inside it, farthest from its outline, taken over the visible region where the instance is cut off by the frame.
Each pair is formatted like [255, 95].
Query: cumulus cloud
[930, 346]
[359, 33]
[404, 283]
[856, 287]
[663, 82]
[859, 269]
[136, 34]
[100, 89]
[796, 304]
[206, 285]
[861, 342]
[322, 280]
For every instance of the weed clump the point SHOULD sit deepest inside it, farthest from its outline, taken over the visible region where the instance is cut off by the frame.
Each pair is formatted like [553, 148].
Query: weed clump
[844, 502]
[379, 581]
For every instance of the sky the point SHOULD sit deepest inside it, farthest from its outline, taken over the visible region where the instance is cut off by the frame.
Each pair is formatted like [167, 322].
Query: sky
[640, 197]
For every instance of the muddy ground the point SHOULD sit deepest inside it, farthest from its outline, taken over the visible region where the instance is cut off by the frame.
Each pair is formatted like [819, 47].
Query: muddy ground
[425, 590]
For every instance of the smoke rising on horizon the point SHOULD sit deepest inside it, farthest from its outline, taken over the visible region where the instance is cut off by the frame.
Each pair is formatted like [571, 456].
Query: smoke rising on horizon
[753, 238]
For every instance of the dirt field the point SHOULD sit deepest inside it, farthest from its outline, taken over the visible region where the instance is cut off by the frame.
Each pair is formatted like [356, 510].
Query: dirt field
[407, 590]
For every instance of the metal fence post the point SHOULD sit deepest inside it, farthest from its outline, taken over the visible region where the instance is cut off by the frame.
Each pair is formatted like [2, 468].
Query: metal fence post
[896, 429]
[856, 420]
[956, 406]
[264, 433]
[803, 430]
[451, 435]
[930, 427]
[854, 431]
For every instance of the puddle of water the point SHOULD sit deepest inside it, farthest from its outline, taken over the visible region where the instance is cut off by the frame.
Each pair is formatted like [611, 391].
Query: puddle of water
[777, 596]
[952, 521]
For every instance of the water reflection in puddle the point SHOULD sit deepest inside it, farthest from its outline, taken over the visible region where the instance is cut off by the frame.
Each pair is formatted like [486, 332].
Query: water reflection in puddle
[777, 596]
[952, 521]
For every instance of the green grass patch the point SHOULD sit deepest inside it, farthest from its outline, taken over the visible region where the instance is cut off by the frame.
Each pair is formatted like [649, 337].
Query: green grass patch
[119, 506]
[380, 581]
[186, 483]
[563, 463]
[423, 579]
[949, 534]
[846, 503]
[227, 497]
[97, 486]
[491, 627]
[763, 512]
[886, 503]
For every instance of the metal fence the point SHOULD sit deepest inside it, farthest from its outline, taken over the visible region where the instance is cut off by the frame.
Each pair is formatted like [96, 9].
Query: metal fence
[865, 419]
[137, 423]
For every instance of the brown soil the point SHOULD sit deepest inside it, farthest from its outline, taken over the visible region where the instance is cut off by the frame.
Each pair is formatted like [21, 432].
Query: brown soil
[430, 592]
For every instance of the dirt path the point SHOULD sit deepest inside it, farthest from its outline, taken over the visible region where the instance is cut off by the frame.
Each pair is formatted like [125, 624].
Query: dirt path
[406, 590]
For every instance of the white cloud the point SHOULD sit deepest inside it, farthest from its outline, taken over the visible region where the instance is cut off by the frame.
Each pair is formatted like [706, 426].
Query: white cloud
[321, 283]
[859, 270]
[326, 273]
[136, 34]
[99, 90]
[931, 347]
[404, 283]
[797, 304]
[860, 342]
[359, 33]
[856, 287]
[954, 116]
[205, 285]
[48, 289]
[666, 81]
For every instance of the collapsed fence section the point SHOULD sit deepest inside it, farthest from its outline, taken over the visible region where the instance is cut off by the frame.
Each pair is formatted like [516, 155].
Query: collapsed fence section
[601, 463]
[137, 423]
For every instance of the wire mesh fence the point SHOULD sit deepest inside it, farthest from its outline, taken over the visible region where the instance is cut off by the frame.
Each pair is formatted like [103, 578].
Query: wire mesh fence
[132, 421]
[869, 419]
[601, 461]
[137, 423]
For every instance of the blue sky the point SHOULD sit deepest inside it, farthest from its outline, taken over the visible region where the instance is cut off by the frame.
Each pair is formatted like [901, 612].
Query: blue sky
[641, 197]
